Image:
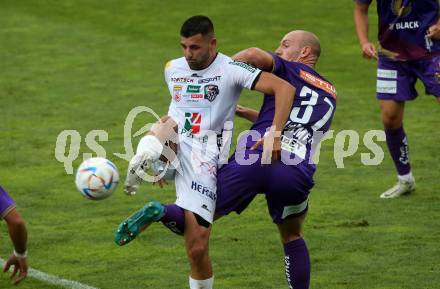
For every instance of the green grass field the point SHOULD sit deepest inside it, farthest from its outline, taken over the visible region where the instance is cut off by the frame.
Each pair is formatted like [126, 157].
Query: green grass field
[83, 65]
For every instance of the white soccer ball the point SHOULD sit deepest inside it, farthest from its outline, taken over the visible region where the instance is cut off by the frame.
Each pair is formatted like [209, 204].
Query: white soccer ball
[97, 178]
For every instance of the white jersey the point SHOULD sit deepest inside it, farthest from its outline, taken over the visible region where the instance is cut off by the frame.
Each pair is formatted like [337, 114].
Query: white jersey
[203, 100]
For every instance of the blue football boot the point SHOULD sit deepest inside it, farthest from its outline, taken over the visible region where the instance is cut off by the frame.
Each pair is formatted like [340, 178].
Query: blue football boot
[129, 229]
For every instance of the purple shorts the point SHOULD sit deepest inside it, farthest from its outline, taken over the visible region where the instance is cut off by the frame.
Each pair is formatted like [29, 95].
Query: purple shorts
[6, 203]
[286, 187]
[396, 79]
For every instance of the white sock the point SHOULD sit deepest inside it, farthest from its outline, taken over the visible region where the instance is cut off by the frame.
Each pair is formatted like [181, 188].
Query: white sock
[201, 284]
[150, 145]
[406, 178]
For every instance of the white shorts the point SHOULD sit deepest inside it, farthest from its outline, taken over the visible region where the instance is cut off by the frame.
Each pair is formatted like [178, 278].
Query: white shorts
[196, 183]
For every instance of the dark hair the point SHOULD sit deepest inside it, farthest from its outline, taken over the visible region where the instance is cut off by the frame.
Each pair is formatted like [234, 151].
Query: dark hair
[197, 24]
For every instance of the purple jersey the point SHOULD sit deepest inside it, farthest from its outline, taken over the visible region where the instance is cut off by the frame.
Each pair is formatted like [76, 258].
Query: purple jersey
[402, 28]
[311, 113]
[6, 203]
[286, 185]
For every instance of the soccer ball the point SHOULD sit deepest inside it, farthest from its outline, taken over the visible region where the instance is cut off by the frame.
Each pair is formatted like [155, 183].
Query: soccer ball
[97, 178]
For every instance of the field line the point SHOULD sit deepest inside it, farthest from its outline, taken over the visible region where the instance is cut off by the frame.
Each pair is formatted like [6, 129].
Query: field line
[52, 279]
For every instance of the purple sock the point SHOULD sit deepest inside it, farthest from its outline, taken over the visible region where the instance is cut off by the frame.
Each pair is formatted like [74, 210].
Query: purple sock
[398, 147]
[174, 218]
[297, 264]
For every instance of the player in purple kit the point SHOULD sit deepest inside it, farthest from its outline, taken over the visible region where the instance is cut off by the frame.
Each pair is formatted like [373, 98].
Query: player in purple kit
[18, 234]
[409, 50]
[285, 183]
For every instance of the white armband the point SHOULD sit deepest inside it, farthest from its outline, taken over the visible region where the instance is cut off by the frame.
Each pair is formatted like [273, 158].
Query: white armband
[20, 256]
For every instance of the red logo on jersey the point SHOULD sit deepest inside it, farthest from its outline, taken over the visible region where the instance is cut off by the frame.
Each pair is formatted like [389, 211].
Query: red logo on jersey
[177, 92]
[318, 82]
[192, 122]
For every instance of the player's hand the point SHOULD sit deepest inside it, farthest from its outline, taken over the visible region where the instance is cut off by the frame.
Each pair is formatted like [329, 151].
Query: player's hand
[433, 32]
[246, 113]
[20, 266]
[271, 143]
[240, 110]
[369, 50]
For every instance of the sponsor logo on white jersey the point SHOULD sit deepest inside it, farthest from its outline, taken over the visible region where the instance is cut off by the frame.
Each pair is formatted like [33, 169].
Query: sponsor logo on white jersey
[193, 121]
[177, 92]
[182, 79]
[203, 190]
[210, 79]
[211, 92]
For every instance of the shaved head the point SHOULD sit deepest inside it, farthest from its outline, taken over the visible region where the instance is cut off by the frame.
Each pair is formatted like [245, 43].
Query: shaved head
[299, 45]
[306, 38]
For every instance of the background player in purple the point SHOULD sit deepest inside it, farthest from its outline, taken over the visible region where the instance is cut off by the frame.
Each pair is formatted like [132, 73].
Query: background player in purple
[285, 183]
[409, 50]
[18, 234]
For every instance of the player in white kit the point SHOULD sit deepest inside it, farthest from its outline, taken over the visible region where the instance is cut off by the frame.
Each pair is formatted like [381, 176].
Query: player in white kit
[205, 86]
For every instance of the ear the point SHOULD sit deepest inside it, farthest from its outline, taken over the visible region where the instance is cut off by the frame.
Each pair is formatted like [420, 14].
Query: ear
[305, 52]
[213, 42]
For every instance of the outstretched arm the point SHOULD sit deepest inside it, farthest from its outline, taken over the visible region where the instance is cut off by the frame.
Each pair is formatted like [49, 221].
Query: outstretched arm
[361, 22]
[257, 57]
[18, 233]
[284, 94]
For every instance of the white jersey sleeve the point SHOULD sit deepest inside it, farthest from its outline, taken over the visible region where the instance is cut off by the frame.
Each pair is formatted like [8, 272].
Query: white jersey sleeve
[243, 74]
[167, 76]
[167, 71]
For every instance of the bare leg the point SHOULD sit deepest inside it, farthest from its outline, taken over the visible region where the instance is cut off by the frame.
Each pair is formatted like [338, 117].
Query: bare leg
[197, 249]
[196, 241]
[392, 113]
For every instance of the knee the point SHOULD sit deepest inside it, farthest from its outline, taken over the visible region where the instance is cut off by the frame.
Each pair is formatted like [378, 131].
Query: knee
[290, 230]
[391, 120]
[14, 219]
[168, 123]
[392, 114]
[165, 125]
[197, 252]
